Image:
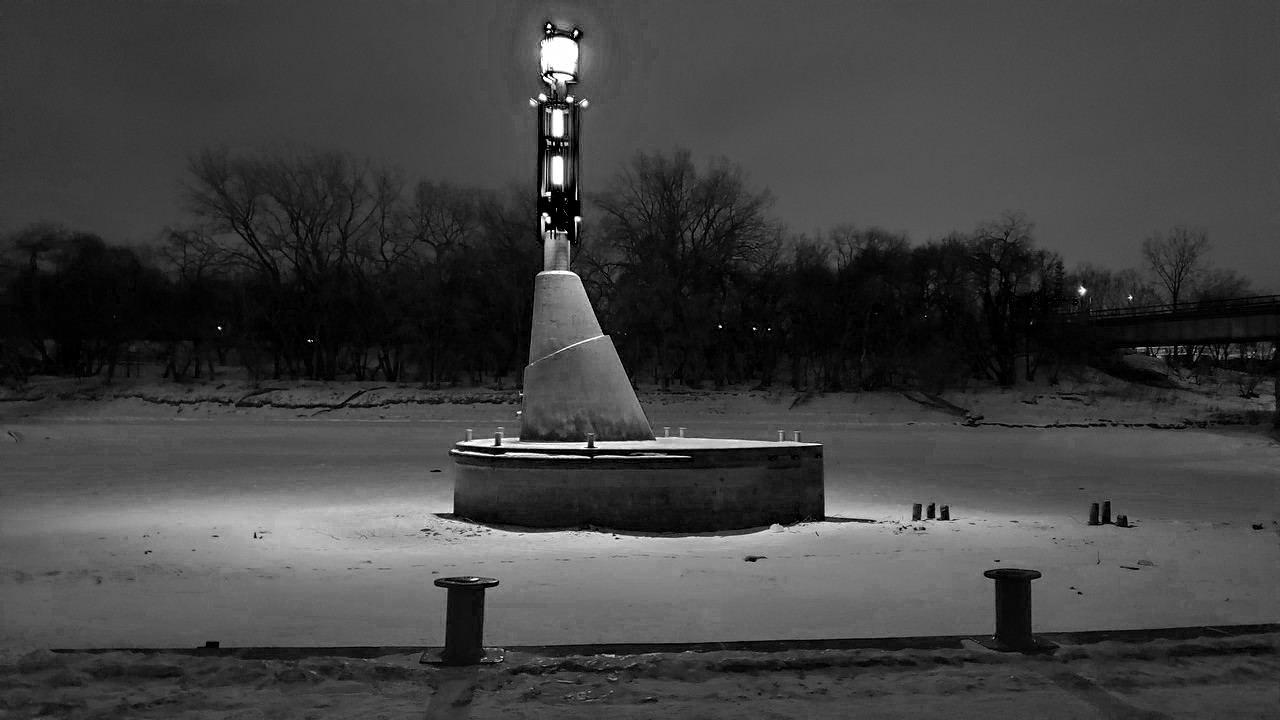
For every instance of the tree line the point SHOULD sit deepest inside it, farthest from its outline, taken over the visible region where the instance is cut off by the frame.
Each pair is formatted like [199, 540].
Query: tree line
[320, 265]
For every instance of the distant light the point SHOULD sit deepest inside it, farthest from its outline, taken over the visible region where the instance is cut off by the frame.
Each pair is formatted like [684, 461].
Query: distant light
[1130, 298]
[1082, 291]
[557, 170]
[542, 97]
[557, 123]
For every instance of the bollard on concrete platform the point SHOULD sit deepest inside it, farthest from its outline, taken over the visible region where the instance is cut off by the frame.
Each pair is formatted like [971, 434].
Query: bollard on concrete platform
[463, 624]
[1013, 612]
[944, 512]
[1093, 514]
[915, 511]
[1106, 512]
[930, 512]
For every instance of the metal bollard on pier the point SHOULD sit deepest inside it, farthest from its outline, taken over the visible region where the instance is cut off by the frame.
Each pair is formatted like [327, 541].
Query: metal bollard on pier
[1013, 612]
[463, 624]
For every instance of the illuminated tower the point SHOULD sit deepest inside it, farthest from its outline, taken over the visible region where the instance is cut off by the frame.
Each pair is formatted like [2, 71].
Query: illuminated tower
[575, 384]
[559, 159]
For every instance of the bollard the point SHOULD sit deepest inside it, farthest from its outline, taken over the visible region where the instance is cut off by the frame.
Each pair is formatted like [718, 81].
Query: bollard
[591, 440]
[1013, 611]
[497, 438]
[929, 512]
[1093, 514]
[944, 512]
[463, 624]
[469, 434]
[666, 431]
[1122, 521]
[781, 436]
[1106, 512]
[795, 435]
[915, 511]
[682, 432]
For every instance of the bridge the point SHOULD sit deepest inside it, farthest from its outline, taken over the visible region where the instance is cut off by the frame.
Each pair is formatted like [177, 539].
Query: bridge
[1250, 319]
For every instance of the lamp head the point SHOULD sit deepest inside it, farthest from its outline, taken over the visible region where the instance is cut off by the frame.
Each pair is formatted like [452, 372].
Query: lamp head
[559, 54]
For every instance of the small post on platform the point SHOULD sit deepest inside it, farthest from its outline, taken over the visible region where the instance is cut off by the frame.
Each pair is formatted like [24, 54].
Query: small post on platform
[1122, 521]
[463, 624]
[497, 438]
[944, 512]
[1093, 514]
[666, 431]
[591, 440]
[781, 436]
[1013, 611]
[682, 432]
[1106, 512]
[929, 512]
[795, 436]
[469, 437]
[915, 511]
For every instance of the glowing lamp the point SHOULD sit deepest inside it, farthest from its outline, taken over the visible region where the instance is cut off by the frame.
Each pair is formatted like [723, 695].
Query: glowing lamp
[1081, 290]
[559, 54]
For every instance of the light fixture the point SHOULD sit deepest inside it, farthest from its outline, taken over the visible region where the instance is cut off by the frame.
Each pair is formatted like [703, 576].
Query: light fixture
[557, 170]
[559, 54]
[557, 123]
[1081, 290]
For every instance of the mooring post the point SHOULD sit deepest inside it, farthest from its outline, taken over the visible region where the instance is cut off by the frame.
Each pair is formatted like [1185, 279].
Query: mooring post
[944, 512]
[469, 435]
[1106, 512]
[591, 440]
[795, 436]
[915, 511]
[1093, 514]
[1122, 521]
[1013, 608]
[781, 436]
[464, 624]
[682, 432]
[666, 431]
[929, 512]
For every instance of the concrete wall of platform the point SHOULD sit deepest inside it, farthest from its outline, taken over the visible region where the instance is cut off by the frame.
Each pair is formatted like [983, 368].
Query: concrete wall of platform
[697, 491]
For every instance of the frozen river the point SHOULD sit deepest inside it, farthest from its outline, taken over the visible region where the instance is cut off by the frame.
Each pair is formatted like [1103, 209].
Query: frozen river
[142, 533]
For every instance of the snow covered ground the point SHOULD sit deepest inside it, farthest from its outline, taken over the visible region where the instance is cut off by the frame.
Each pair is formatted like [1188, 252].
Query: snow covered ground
[160, 516]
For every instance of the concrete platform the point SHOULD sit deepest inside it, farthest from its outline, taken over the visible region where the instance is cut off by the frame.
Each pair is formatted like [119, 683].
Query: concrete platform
[662, 485]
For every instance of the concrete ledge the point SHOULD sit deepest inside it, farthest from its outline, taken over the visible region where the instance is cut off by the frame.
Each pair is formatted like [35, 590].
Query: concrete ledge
[936, 642]
[670, 485]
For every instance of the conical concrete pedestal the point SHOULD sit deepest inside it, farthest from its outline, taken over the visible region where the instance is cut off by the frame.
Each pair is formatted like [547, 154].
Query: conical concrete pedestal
[575, 383]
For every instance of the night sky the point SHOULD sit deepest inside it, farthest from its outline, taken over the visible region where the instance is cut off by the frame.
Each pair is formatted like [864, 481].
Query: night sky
[1102, 121]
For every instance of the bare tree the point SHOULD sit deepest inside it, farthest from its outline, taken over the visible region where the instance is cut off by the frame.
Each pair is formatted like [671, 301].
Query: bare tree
[301, 222]
[673, 241]
[1176, 258]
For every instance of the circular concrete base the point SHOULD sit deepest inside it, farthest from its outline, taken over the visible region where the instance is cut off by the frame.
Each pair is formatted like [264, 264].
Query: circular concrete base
[663, 485]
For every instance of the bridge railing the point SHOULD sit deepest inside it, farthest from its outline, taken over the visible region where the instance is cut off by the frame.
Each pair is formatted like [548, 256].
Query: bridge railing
[1190, 308]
